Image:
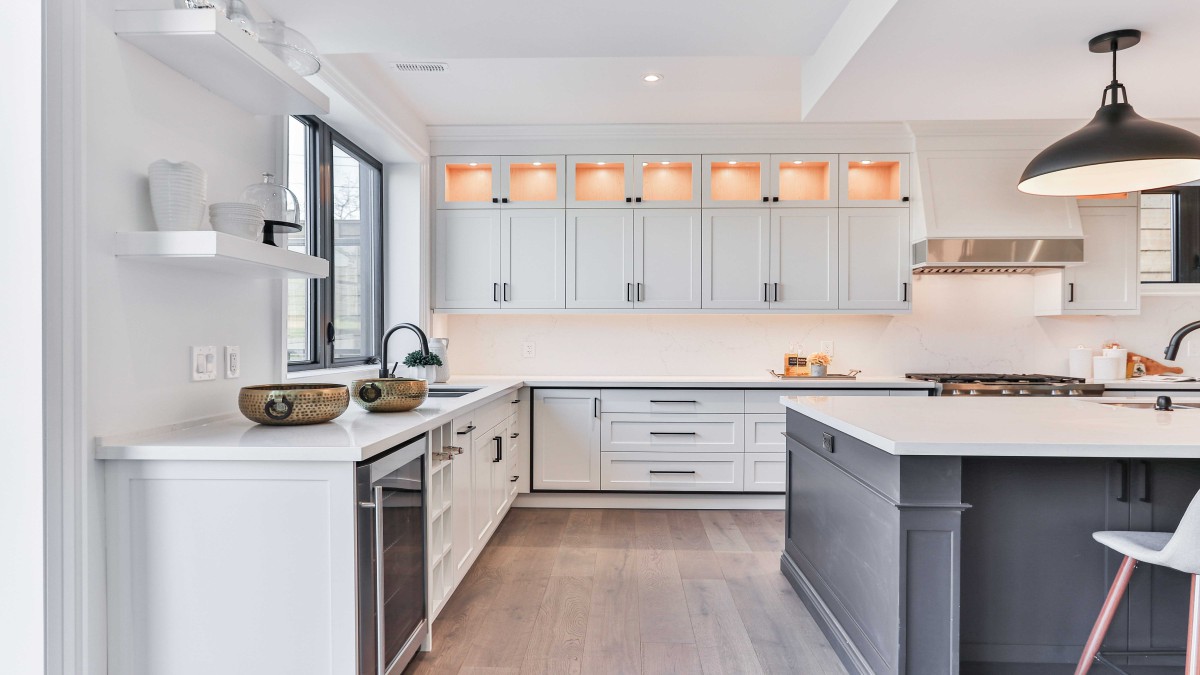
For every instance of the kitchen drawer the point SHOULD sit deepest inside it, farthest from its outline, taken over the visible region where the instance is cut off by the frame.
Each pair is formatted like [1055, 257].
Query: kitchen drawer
[672, 401]
[664, 471]
[766, 471]
[493, 414]
[767, 400]
[634, 432]
[764, 433]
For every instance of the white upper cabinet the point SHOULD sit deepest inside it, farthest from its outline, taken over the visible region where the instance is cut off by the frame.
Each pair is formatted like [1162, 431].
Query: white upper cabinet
[667, 258]
[468, 182]
[737, 269]
[804, 259]
[873, 180]
[467, 259]
[595, 181]
[737, 180]
[666, 181]
[600, 258]
[1107, 281]
[804, 180]
[532, 251]
[533, 182]
[874, 259]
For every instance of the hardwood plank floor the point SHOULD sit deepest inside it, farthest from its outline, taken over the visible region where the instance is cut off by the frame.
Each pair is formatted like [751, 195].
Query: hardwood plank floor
[628, 592]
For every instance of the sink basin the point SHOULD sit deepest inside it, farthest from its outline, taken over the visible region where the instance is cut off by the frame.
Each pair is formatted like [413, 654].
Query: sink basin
[451, 392]
[1147, 405]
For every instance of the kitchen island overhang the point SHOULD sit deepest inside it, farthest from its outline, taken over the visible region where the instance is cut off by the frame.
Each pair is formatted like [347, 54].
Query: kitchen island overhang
[936, 535]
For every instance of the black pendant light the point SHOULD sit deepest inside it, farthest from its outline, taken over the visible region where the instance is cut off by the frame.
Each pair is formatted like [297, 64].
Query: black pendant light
[1119, 150]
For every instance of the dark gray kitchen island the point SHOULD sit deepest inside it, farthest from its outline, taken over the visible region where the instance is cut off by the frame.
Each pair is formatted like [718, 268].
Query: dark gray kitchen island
[940, 535]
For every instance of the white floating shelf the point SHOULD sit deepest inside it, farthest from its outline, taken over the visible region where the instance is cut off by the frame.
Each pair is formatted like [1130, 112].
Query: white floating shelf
[214, 52]
[219, 252]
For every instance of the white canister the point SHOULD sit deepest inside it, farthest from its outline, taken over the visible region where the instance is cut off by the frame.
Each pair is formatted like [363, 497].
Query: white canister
[439, 347]
[1108, 368]
[1079, 361]
[1120, 353]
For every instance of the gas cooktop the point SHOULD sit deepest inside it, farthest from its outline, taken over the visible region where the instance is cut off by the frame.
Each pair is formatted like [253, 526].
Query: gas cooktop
[993, 378]
[993, 384]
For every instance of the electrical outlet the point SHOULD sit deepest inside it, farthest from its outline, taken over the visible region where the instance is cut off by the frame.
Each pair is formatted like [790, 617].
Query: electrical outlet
[233, 362]
[528, 350]
[827, 347]
[203, 363]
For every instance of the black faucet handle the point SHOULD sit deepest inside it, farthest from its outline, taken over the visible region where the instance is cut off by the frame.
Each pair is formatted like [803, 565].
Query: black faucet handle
[1163, 403]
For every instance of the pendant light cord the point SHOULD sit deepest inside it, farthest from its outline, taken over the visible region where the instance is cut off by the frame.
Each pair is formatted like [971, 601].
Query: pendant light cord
[1114, 86]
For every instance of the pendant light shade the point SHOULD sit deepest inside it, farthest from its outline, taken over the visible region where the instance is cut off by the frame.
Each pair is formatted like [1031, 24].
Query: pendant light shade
[1118, 151]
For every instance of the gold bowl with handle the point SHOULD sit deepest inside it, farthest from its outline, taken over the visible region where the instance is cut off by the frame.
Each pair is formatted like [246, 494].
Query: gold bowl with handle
[293, 404]
[389, 394]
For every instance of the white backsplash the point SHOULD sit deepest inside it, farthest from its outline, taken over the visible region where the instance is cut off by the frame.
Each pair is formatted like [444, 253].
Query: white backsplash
[980, 323]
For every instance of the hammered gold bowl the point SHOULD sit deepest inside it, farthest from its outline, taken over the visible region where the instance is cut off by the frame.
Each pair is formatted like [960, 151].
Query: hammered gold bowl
[389, 394]
[293, 404]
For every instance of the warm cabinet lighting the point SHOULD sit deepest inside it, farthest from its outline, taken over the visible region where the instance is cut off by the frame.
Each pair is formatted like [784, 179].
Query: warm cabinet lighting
[537, 163]
[664, 163]
[652, 77]
[865, 162]
[472, 163]
[797, 161]
[601, 163]
[733, 161]
[1119, 150]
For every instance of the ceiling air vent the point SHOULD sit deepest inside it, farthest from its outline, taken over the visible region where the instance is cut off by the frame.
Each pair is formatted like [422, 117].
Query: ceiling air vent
[419, 67]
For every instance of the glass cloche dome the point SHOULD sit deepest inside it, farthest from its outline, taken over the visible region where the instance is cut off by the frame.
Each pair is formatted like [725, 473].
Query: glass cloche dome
[281, 209]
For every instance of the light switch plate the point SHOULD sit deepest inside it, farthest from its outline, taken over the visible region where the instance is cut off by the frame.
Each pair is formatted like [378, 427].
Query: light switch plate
[827, 347]
[203, 363]
[233, 362]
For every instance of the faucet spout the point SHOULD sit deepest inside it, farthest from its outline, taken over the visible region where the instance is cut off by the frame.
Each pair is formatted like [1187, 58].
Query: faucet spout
[1172, 349]
[383, 351]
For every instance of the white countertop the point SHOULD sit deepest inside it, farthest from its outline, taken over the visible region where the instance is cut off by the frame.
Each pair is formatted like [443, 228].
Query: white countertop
[358, 435]
[1152, 386]
[1008, 426]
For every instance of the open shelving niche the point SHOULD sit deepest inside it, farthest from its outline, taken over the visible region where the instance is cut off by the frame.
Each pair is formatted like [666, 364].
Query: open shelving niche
[210, 251]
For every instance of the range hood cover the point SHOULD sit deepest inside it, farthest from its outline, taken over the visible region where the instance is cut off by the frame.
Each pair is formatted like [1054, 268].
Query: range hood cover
[1003, 256]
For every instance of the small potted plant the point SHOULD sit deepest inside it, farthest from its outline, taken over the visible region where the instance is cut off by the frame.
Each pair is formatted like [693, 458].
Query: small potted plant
[819, 364]
[425, 365]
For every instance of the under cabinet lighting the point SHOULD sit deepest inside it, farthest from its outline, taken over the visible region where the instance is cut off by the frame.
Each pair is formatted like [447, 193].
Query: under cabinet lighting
[652, 77]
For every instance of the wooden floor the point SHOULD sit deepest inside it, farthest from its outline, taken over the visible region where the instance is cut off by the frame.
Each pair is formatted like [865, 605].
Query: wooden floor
[623, 592]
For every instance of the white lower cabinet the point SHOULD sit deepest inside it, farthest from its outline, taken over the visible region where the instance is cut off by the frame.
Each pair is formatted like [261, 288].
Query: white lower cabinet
[566, 431]
[672, 472]
[764, 433]
[637, 432]
[765, 472]
[1107, 281]
[462, 541]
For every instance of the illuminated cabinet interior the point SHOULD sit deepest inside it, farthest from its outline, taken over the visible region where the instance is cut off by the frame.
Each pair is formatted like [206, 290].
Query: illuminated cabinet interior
[667, 181]
[874, 180]
[469, 183]
[599, 181]
[731, 180]
[803, 180]
[531, 182]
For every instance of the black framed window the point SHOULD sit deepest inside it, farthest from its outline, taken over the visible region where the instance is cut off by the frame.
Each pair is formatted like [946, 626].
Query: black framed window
[335, 321]
[1169, 241]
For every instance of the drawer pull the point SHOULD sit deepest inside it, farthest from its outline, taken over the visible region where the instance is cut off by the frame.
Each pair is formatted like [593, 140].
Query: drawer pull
[654, 401]
[466, 430]
[672, 433]
[653, 471]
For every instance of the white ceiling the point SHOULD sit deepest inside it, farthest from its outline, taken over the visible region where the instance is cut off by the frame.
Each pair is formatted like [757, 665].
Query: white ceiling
[564, 62]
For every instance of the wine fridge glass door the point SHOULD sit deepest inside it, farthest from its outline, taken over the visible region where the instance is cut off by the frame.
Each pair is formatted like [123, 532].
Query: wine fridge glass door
[399, 563]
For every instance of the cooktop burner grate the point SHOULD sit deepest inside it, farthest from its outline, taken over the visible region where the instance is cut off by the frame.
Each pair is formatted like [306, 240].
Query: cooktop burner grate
[993, 378]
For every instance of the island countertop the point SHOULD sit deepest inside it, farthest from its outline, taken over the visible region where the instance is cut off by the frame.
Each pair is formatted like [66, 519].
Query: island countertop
[1008, 427]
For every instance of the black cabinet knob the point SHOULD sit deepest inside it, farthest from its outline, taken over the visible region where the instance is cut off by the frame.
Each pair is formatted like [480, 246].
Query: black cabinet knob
[766, 199]
[495, 200]
[504, 201]
[638, 200]
[904, 199]
[628, 199]
[774, 199]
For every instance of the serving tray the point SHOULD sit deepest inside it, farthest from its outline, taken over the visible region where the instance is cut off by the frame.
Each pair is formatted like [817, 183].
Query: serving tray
[852, 375]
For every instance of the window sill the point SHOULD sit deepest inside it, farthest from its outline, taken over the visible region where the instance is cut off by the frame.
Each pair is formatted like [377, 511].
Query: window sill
[1170, 289]
[319, 373]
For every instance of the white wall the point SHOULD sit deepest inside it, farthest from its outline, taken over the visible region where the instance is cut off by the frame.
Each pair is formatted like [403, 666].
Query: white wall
[21, 575]
[959, 323]
[402, 257]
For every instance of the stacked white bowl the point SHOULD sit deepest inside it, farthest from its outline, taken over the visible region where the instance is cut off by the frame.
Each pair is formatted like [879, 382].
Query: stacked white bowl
[237, 218]
[178, 191]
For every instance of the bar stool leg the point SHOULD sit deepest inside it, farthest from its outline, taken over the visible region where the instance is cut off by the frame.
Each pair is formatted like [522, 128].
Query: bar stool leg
[1111, 603]
[1193, 641]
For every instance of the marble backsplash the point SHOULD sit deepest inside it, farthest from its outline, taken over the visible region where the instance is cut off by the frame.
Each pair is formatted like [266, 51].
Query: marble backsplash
[979, 323]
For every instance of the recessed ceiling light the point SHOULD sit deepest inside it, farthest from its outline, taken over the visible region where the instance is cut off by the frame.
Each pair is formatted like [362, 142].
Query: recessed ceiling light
[797, 161]
[473, 164]
[865, 161]
[601, 163]
[733, 161]
[652, 77]
[664, 163]
[537, 163]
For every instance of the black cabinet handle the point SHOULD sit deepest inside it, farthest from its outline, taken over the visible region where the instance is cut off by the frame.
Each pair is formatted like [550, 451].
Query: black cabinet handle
[640, 297]
[672, 401]
[467, 430]
[628, 200]
[684, 472]
[495, 200]
[504, 201]
[514, 479]
[330, 333]
[1145, 482]
[766, 298]
[776, 291]
[904, 199]
[774, 199]
[514, 434]
[595, 407]
[1123, 496]
[638, 200]
[672, 433]
[766, 199]
[1071, 292]
[628, 292]
[507, 296]
[904, 298]
[499, 456]
[495, 292]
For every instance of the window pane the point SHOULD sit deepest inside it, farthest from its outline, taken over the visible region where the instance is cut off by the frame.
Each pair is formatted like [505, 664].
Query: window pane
[355, 222]
[1157, 238]
[300, 306]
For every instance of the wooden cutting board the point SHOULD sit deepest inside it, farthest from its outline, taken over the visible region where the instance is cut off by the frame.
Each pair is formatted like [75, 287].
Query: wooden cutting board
[1154, 367]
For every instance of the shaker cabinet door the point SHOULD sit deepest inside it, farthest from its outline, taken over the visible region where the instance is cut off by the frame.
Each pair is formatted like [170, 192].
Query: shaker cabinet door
[600, 258]
[874, 259]
[666, 258]
[566, 437]
[737, 270]
[467, 259]
[804, 259]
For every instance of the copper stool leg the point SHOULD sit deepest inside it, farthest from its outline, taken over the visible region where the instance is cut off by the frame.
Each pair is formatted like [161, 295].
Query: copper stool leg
[1111, 603]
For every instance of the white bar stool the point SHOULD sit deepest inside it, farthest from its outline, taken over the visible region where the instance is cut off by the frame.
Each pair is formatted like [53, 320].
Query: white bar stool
[1178, 551]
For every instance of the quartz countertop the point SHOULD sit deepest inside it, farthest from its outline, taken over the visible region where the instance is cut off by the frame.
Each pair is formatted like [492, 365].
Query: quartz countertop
[1009, 426]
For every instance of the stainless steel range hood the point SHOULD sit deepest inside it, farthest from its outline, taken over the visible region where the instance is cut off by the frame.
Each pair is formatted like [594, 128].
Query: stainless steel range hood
[969, 217]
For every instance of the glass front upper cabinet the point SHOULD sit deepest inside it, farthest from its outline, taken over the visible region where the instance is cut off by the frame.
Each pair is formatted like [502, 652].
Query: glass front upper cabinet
[873, 180]
[468, 182]
[804, 180]
[533, 182]
[599, 180]
[666, 181]
[737, 180]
